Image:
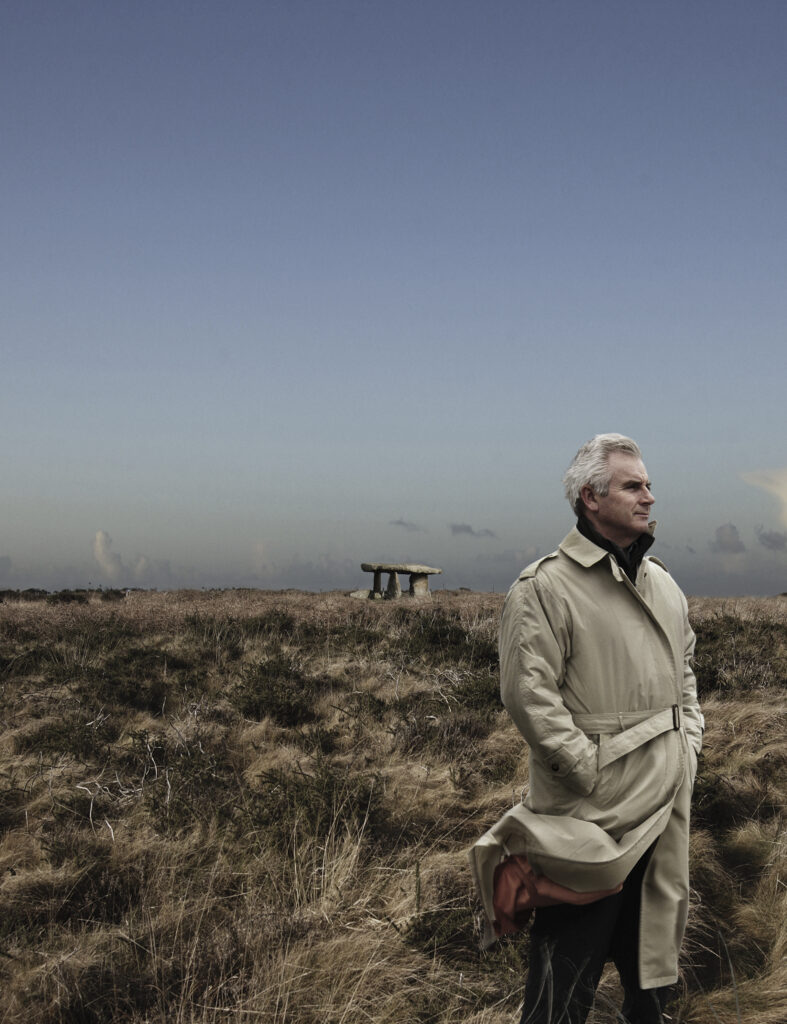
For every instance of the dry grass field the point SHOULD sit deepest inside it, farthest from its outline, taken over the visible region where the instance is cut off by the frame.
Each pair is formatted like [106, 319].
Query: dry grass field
[248, 807]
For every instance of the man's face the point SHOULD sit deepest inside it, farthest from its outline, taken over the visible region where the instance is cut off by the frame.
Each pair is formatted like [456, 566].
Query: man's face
[623, 513]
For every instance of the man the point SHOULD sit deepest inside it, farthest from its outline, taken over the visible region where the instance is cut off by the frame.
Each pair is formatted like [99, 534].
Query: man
[594, 655]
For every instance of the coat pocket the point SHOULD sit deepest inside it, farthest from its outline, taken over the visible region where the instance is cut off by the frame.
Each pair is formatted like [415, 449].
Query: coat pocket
[693, 763]
[633, 787]
[549, 794]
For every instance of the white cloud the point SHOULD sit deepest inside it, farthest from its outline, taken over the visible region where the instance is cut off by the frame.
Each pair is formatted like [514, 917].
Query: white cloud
[259, 556]
[109, 562]
[775, 482]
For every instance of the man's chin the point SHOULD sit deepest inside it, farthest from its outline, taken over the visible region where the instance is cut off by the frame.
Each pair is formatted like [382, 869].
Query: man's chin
[638, 530]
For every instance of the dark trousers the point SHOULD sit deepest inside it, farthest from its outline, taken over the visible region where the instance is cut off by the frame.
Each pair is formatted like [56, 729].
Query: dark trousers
[569, 946]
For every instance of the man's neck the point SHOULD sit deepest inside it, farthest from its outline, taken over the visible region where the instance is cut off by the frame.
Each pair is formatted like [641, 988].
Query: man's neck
[628, 557]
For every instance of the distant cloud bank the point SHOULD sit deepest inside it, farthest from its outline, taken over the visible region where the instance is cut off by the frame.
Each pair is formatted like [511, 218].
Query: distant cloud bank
[143, 571]
[321, 573]
[459, 529]
[728, 560]
[405, 525]
[773, 540]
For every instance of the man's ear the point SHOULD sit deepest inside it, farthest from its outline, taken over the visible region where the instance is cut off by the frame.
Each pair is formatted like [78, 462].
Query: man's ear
[588, 497]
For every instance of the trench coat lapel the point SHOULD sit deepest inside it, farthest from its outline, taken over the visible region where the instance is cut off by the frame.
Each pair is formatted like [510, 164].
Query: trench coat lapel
[586, 553]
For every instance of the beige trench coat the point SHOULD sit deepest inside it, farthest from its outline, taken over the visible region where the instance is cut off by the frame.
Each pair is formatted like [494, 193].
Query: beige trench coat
[595, 673]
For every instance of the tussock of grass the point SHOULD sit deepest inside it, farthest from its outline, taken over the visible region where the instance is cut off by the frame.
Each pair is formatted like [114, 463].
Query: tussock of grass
[741, 645]
[244, 806]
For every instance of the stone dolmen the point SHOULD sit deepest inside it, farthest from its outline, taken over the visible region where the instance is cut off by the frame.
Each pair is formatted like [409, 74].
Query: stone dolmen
[419, 580]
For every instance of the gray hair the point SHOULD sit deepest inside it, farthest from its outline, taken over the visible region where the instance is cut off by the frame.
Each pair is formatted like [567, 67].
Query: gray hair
[591, 466]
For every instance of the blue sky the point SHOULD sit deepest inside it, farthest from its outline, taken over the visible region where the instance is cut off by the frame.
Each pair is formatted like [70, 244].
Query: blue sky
[285, 287]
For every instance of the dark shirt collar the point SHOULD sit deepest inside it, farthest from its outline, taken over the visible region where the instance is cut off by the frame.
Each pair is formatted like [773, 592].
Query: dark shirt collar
[629, 558]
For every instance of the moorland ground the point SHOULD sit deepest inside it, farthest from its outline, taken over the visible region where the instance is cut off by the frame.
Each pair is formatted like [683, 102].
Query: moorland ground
[249, 806]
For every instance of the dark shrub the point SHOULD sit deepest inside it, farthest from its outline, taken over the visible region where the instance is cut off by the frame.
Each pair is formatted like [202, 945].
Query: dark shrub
[274, 624]
[185, 779]
[479, 692]
[276, 688]
[318, 801]
[739, 654]
[84, 735]
[68, 597]
[440, 637]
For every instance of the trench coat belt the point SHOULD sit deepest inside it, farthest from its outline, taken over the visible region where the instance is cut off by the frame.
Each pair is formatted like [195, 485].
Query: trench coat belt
[619, 734]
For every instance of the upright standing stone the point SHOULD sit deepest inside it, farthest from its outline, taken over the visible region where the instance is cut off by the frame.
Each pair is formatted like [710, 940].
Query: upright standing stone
[419, 584]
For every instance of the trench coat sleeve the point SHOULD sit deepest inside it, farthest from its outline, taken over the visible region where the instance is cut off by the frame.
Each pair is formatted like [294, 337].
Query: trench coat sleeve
[535, 640]
[692, 717]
